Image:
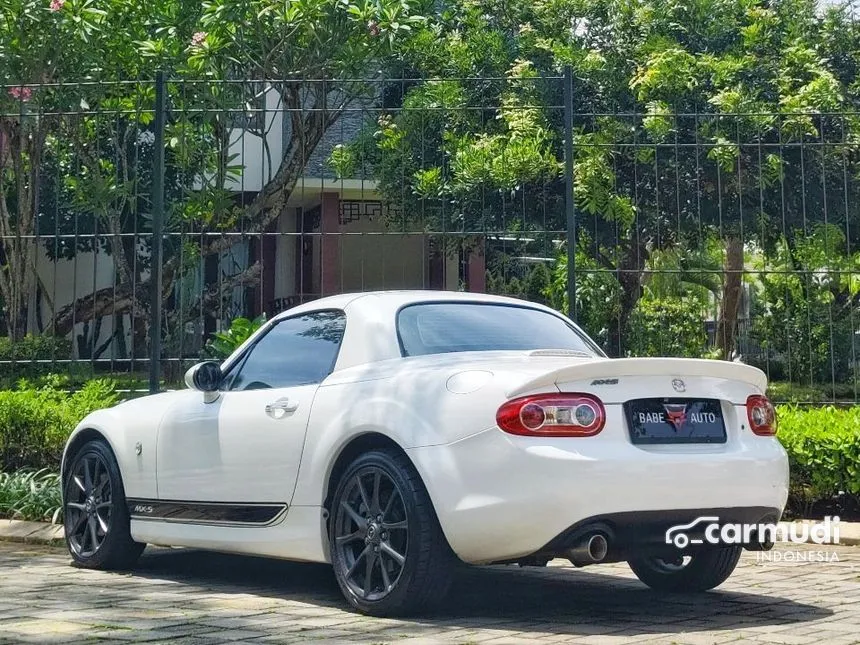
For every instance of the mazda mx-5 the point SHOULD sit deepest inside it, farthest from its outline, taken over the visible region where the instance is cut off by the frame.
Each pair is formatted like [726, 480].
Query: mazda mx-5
[397, 435]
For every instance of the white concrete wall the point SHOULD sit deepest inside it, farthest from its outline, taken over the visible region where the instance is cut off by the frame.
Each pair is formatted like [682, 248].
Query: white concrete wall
[64, 281]
[285, 257]
[259, 164]
[373, 258]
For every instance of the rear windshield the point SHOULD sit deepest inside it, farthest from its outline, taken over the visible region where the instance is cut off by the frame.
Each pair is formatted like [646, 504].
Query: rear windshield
[442, 327]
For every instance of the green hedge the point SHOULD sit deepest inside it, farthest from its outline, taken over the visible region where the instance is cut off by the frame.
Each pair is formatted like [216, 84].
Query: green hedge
[35, 423]
[31, 357]
[823, 446]
[823, 443]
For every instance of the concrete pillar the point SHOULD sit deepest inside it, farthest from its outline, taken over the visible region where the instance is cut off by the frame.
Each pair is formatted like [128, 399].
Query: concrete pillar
[330, 254]
[476, 276]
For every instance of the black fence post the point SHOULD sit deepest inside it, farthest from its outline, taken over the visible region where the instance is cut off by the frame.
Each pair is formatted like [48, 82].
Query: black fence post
[570, 208]
[157, 236]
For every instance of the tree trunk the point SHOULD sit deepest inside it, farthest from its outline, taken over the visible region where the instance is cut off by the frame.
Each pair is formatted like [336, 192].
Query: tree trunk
[727, 321]
[23, 151]
[630, 269]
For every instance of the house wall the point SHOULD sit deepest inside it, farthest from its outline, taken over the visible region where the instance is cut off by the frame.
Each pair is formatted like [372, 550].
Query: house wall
[63, 281]
[258, 155]
[286, 248]
[372, 258]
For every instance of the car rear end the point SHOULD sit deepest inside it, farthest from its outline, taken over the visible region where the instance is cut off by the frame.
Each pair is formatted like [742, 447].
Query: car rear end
[620, 448]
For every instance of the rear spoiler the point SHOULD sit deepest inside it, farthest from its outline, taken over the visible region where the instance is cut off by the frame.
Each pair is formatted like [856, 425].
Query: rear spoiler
[599, 368]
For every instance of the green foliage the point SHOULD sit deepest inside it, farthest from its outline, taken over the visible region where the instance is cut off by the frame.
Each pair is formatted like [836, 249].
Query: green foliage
[788, 392]
[537, 283]
[823, 446]
[80, 58]
[222, 344]
[531, 285]
[757, 76]
[671, 327]
[35, 423]
[33, 355]
[676, 297]
[805, 307]
[342, 161]
[598, 294]
[33, 495]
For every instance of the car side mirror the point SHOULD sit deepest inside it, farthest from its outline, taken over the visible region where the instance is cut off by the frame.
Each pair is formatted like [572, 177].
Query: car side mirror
[205, 377]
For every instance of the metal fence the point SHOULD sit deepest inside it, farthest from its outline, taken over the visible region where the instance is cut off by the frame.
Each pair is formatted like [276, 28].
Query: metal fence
[138, 218]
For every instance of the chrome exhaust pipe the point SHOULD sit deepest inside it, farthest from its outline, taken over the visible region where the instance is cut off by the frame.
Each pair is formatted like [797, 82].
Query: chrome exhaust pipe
[590, 550]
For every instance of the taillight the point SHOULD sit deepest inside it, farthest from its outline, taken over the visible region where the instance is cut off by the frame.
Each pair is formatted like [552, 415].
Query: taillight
[761, 415]
[553, 415]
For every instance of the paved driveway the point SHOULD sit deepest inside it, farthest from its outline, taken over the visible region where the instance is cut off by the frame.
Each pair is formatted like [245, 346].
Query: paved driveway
[182, 596]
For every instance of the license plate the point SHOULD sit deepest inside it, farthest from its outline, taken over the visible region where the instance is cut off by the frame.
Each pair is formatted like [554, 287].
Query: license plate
[675, 421]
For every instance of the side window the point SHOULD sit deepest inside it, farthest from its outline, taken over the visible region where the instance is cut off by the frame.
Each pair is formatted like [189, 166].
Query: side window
[296, 351]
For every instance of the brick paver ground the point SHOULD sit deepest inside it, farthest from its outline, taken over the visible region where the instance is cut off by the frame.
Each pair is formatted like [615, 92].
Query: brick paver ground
[180, 596]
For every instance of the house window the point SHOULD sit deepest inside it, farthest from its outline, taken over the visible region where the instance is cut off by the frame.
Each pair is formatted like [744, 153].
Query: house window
[354, 210]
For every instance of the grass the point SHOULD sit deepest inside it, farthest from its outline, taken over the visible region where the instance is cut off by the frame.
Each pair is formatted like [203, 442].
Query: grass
[31, 495]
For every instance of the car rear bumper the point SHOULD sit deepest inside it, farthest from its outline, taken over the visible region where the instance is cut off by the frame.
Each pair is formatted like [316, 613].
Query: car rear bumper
[644, 532]
[500, 497]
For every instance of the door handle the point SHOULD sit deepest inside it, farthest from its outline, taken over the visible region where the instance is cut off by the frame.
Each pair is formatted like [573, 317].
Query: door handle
[281, 408]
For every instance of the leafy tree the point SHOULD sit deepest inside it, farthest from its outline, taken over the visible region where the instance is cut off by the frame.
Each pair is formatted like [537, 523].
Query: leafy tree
[40, 43]
[72, 117]
[216, 55]
[678, 290]
[688, 122]
[807, 297]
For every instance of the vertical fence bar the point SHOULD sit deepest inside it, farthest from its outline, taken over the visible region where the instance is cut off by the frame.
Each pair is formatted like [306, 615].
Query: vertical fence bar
[570, 210]
[157, 236]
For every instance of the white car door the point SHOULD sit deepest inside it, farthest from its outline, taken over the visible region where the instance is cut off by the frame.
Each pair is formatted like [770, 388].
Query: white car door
[236, 459]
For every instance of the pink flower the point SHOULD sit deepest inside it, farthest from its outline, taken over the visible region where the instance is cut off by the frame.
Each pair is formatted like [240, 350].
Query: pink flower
[198, 38]
[57, 5]
[21, 93]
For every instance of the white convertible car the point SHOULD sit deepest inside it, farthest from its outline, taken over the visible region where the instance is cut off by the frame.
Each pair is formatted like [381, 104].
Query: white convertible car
[396, 434]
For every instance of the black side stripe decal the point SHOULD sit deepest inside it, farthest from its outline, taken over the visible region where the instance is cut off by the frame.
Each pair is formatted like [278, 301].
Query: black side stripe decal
[204, 512]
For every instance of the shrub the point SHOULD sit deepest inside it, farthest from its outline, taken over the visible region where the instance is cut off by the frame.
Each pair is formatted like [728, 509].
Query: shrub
[32, 355]
[786, 392]
[31, 495]
[224, 343]
[668, 327]
[823, 446]
[35, 423]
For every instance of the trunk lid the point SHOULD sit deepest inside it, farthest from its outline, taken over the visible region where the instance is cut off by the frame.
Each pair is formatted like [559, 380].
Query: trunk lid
[616, 380]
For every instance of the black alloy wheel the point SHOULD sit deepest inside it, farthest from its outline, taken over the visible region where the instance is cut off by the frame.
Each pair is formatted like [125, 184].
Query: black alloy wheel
[96, 520]
[88, 505]
[389, 555]
[371, 533]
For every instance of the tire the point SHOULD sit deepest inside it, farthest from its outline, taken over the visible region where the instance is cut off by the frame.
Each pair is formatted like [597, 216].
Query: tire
[381, 510]
[96, 521]
[706, 569]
